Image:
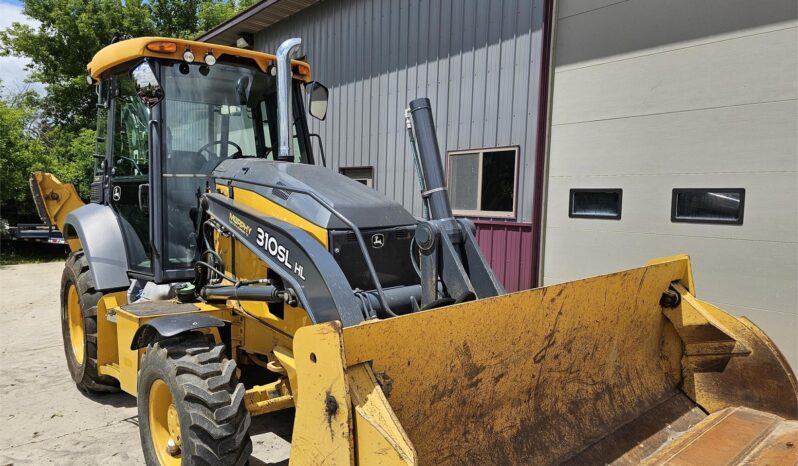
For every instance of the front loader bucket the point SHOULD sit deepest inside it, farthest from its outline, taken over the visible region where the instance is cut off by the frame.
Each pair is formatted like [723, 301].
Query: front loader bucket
[591, 371]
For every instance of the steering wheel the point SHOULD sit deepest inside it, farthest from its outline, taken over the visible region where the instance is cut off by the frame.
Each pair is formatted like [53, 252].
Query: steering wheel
[206, 149]
[136, 168]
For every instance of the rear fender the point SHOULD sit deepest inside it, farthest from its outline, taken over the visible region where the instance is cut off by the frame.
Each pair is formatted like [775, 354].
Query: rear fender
[96, 229]
[92, 228]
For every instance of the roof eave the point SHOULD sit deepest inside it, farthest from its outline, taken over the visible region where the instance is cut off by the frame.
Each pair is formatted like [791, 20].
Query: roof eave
[251, 21]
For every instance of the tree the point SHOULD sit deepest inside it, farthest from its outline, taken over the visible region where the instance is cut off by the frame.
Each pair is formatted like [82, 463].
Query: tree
[27, 144]
[70, 32]
[55, 132]
[213, 13]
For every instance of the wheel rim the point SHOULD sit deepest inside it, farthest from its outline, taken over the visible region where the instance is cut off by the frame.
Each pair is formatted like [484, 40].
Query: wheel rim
[164, 424]
[75, 321]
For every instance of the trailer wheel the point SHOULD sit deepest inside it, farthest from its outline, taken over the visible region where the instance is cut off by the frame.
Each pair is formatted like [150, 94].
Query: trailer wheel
[79, 325]
[191, 406]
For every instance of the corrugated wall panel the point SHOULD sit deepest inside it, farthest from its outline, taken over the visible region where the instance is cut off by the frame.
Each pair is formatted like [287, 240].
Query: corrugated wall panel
[478, 61]
[508, 248]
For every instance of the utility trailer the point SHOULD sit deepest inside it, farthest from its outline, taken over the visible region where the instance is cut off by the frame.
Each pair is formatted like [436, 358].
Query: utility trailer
[37, 232]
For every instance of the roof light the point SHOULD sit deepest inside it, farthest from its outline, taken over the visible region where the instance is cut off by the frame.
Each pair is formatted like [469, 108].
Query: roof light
[188, 55]
[210, 60]
[162, 47]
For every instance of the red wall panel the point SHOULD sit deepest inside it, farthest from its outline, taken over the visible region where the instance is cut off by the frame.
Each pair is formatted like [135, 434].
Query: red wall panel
[508, 247]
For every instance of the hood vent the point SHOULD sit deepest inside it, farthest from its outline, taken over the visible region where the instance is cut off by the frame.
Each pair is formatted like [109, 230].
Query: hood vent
[282, 194]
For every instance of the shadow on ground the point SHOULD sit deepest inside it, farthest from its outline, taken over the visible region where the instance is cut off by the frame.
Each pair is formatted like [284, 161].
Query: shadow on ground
[115, 400]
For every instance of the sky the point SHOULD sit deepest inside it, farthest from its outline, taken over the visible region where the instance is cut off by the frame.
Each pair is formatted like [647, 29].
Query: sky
[12, 69]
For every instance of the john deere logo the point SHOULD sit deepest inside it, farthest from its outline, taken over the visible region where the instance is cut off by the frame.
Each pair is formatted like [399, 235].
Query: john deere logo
[377, 241]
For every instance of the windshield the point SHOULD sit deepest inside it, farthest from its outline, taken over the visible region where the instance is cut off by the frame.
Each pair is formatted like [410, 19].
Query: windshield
[210, 113]
[204, 117]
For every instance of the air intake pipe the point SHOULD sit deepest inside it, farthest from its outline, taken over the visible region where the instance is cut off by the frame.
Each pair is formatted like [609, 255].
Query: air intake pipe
[434, 192]
[287, 51]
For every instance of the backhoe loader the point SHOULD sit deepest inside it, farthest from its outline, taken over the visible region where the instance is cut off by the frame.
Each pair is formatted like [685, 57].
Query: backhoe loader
[219, 272]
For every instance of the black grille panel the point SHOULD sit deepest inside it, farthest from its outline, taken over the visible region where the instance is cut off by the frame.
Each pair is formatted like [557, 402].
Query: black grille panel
[389, 249]
[96, 193]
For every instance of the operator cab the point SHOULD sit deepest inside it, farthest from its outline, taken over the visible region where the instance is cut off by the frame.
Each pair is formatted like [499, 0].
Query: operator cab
[169, 112]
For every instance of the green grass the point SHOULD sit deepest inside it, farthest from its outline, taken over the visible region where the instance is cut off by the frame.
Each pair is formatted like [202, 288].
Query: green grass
[23, 252]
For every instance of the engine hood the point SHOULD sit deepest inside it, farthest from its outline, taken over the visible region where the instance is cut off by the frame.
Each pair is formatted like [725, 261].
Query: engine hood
[363, 206]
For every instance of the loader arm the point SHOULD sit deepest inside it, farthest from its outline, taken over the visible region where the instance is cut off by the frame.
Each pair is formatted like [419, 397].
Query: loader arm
[54, 201]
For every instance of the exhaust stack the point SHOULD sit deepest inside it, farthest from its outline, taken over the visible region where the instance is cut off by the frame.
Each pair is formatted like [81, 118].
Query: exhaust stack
[287, 51]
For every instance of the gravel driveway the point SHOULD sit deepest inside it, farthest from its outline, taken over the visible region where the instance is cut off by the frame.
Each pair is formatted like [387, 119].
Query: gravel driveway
[45, 419]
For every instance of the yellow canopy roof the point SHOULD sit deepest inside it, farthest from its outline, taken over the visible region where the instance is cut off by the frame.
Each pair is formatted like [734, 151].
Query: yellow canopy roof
[159, 47]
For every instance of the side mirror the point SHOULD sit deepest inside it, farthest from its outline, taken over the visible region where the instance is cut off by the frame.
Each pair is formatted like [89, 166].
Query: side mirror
[147, 86]
[317, 105]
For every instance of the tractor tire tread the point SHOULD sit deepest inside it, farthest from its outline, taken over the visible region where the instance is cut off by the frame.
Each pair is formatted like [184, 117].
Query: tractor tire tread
[212, 398]
[224, 377]
[86, 375]
[200, 370]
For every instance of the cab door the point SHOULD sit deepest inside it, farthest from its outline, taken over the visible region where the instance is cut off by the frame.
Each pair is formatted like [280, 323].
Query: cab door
[129, 175]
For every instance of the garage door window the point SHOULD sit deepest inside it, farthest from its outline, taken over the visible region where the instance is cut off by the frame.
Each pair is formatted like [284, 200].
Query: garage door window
[595, 203]
[482, 183]
[708, 205]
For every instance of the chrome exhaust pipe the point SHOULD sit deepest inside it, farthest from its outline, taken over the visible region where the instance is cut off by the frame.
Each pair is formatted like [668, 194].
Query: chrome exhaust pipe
[287, 51]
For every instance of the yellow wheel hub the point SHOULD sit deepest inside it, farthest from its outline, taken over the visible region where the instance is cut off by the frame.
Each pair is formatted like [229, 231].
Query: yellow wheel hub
[164, 424]
[75, 321]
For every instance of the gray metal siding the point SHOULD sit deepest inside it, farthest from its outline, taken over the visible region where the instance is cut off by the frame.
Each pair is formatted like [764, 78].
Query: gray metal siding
[477, 61]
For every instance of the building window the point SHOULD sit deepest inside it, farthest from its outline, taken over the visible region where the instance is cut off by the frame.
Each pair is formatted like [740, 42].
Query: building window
[482, 183]
[708, 205]
[364, 175]
[595, 203]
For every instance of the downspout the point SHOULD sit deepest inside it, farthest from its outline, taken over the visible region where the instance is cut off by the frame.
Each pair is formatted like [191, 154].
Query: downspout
[546, 90]
[287, 51]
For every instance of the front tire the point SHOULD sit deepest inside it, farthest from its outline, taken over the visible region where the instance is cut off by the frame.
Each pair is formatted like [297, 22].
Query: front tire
[79, 326]
[191, 406]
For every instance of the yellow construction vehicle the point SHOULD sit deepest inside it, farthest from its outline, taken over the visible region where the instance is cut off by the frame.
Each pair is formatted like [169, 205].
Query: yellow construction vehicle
[220, 272]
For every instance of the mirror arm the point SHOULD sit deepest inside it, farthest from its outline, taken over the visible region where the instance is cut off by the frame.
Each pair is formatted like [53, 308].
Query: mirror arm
[321, 148]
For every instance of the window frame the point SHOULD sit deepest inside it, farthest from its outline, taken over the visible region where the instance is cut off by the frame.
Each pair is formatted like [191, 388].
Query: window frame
[572, 214]
[708, 221]
[486, 213]
[341, 171]
[111, 139]
[113, 77]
